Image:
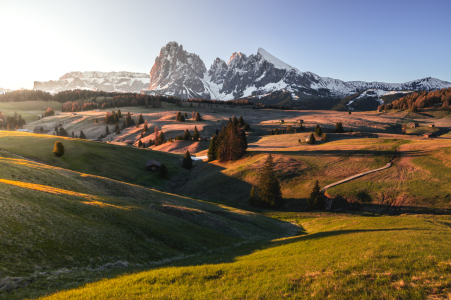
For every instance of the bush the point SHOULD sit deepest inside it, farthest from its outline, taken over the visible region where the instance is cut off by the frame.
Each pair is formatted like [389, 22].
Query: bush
[58, 149]
[164, 171]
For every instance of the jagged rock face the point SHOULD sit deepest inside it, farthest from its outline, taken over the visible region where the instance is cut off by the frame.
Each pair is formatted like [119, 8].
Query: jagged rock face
[105, 81]
[258, 74]
[177, 73]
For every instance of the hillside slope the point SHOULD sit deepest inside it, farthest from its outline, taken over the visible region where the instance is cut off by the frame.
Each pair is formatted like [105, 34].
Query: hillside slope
[55, 221]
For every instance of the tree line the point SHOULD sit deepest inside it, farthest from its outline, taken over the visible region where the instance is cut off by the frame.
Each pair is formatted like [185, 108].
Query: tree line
[26, 95]
[13, 122]
[421, 100]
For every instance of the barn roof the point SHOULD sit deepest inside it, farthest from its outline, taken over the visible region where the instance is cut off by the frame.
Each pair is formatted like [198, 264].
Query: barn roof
[153, 163]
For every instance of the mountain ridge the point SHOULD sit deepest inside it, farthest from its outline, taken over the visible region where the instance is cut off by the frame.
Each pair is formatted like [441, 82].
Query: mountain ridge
[179, 73]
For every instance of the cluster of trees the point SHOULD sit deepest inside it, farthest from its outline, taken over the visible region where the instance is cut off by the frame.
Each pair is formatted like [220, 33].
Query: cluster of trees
[240, 102]
[113, 117]
[421, 99]
[26, 95]
[11, 122]
[179, 117]
[268, 194]
[49, 112]
[290, 129]
[187, 135]
[230, 144]
[60, 131]
[76, 106]
[133, 100]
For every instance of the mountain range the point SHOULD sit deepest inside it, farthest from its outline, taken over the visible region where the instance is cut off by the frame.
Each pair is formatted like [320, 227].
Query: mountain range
[182, 74]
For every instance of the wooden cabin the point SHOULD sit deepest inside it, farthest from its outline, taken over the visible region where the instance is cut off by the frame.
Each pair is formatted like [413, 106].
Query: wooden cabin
[414, 125]
[153, 165]
[300, 121]
[431, 125]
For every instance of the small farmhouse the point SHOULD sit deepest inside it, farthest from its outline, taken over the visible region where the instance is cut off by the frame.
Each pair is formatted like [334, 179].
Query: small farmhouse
[153, 165]
[431, 125]
[414, 125]
[300, 121]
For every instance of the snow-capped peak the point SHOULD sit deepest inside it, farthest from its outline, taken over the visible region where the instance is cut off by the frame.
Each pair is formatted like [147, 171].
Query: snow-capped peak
[274, 60]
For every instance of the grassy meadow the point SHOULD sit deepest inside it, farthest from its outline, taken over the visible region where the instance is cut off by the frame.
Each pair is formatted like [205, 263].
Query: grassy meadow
[29, 110]
[338, 257]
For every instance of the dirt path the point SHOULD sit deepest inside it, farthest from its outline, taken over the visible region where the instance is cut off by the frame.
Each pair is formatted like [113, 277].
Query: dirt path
[388, 165]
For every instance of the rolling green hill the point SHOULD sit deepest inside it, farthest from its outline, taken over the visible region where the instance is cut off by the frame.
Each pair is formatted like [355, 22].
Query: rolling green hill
[54, 221]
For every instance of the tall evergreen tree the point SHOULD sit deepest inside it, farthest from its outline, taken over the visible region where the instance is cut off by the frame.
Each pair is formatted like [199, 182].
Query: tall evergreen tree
[82, 135]
[316, 198]
[187, 135]
[164, 171]
[339, 128]
[253, 198]
[212, 149]
[161, 138]
[270, 194]
[182, 118]
[198, 117]
[187, 161]
[318, 131]
[311, 140]
[177, 116]
[157, 133]
[107, 130]
[241, 121]
[196, 134]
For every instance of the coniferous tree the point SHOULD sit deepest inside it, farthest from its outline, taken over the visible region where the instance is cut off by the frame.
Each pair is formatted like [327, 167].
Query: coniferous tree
[339, 128]
[311, 140]
[58, 149]
[107, 130]
[196, 134]
[42, 129]
[193, 115]
[182, 118]
[324, 137]
[272, 131]
[198, 117]
[157, 134]
[316, 198]
[253, 198]
[301, 127]
[177, 116]
[116, 128]
[82, 135]
[164, 171]
[270, 194]
[140, 144]
[235, 121]
[247, 127]
[187, 161]
[318, 131]
[241, 121]
[277, 131]
[146, 126]
[212, 149]
[187, 135]
[161, 138]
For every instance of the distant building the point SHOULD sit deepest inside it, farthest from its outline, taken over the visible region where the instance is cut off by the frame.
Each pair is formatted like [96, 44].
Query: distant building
[153, 165]
[414, 125]
[300, 121]
[431, 125]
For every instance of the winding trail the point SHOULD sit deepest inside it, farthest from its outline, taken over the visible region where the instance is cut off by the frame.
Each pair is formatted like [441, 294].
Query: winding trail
[388, 165]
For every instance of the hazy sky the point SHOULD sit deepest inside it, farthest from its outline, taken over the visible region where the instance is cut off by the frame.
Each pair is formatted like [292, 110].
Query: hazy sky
[390, 41]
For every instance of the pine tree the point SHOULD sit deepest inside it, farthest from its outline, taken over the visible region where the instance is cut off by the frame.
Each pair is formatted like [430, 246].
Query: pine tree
[339, 128]
[187, 135]
[187, 161]
[164, 171]
[272, 131]
[140, 144]
[277, 131]
[193, 115]
[270, 194]
[318, 131]
[161, 138]
[157, 133]
[301, 127]
[311, 140]
[324, 137]
[146, 126]
[107, 130]
[235, 121]
[82, 135]
[58, 149]
[241, 121]
[212, 149]
[247, 127]
[177, 116]
[289, 129]
[253, 198]
[316, 198]
[198, 117]
[182, 118]
[196, 134]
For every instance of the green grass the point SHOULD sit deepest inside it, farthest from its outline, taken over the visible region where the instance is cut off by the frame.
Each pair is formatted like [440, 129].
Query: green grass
[421, 130]
[53, 220]
[29, 110]
[117, 162]
[340, 257]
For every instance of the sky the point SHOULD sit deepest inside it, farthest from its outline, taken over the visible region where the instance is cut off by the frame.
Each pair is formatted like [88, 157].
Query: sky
[389, 41]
